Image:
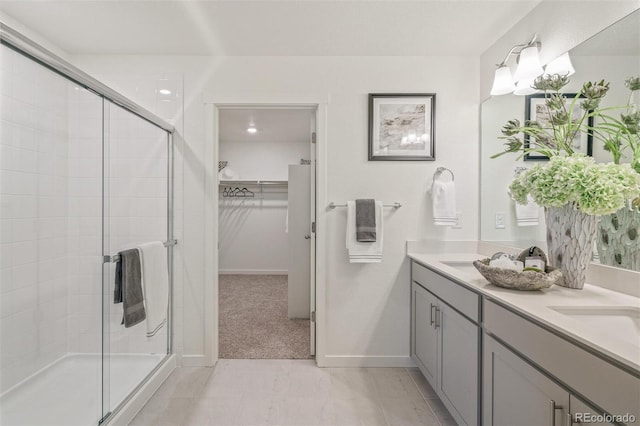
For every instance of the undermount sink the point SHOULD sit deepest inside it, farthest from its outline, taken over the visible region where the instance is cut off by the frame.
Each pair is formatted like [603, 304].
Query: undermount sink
[461, 265]
[621, 321]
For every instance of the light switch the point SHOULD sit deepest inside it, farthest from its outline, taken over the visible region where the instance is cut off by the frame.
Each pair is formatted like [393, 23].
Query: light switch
[499, 220]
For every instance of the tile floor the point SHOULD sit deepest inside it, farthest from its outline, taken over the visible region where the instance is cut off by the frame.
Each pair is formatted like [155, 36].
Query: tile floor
[293, 392]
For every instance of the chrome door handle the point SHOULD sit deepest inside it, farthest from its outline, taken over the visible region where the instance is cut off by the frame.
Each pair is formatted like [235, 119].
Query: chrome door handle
[437, 317]
[552, 412]
[432, 306]
[307, 237]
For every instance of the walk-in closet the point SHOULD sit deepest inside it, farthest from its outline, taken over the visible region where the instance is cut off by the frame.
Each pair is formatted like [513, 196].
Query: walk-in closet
[264, 197]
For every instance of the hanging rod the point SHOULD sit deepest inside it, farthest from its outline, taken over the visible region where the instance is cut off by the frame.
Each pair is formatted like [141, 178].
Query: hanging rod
[116, 258]
[28, 47]
[396, 205]
[224, 182]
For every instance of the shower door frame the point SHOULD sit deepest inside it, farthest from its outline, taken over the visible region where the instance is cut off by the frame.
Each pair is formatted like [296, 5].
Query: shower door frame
[15, 40]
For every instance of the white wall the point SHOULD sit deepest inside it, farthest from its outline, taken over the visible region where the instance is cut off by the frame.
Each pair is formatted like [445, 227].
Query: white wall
[367, 316]
[263, 160]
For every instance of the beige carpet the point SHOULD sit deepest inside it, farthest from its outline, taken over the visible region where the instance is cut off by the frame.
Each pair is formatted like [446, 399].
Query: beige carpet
[253, 319]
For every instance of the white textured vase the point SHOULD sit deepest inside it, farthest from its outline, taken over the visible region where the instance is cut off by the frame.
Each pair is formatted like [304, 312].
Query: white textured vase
[619, 239]
[570, 237]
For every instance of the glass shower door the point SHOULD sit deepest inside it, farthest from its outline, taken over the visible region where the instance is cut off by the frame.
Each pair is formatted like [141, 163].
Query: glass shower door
[135, 212]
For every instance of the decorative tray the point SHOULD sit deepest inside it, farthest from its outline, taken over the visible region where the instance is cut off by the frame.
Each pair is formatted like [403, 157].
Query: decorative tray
[525, 281]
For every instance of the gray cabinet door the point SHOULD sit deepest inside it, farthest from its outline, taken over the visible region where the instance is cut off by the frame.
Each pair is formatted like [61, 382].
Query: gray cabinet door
[458, 384]
[516, 394]
[581, 413]
[425, 334]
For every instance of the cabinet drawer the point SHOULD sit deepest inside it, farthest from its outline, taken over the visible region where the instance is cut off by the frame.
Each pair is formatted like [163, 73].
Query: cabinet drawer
[610, 387]
[452, 293]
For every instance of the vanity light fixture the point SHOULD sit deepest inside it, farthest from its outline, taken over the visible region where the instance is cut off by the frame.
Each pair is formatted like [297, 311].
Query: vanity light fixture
[561, 65]
[164, 91]
[252, 130]
[528, 69]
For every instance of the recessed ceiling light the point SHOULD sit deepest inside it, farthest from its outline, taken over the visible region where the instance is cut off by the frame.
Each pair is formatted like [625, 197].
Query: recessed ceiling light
[165, 91]
[252, 130]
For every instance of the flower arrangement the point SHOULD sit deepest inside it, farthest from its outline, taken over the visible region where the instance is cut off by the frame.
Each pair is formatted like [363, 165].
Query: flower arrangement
[570, 177]
[594, 188]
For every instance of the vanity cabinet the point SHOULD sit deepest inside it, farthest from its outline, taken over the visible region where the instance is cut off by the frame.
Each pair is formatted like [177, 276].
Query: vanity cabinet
[528, 370]
[519, 395]
[445, 341]
[583, 413]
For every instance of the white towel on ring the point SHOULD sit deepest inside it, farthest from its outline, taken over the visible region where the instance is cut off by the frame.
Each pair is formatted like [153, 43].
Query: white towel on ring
[443, 196]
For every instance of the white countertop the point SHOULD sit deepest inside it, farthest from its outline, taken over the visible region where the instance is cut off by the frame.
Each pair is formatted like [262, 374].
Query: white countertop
[537, 305]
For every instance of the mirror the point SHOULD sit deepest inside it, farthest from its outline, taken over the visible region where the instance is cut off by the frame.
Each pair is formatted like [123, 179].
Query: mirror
[612, 55]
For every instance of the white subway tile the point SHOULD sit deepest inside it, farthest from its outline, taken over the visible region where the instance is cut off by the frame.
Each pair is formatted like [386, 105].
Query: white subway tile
[25, 275]
[25, 252]
[25, 229]
[6, 280]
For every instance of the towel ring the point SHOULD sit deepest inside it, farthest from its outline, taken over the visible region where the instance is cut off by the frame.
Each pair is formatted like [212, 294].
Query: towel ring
[439, 171]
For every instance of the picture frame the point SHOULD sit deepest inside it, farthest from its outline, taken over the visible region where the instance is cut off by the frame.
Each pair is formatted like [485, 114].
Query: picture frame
[536, 110]
[402, 126]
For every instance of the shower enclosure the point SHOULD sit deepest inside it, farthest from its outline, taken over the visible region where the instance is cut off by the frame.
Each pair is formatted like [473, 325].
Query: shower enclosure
[84, 173]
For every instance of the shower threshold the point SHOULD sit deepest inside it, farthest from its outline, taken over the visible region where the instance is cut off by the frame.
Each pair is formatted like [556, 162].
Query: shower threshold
[69, 391]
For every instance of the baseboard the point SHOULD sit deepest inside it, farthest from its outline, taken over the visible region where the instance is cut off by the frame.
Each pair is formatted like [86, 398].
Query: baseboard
[194, 361]
[365, 361]
[253, 272]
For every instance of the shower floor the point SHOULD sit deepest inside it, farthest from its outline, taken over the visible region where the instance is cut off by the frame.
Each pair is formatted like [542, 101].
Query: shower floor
[69, 391]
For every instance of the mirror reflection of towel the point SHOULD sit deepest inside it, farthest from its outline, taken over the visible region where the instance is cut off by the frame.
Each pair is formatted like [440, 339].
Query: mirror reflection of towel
[528, 214]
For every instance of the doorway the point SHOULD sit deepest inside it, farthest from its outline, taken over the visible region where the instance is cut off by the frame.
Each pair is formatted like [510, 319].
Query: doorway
[266, 252]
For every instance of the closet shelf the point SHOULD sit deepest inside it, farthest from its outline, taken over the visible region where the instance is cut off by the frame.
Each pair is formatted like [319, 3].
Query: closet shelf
[253, 182]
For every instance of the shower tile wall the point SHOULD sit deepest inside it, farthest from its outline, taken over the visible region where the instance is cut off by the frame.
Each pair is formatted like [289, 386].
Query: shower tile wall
[138, 209]
[51, 217]
[85, 220]
[33, 218]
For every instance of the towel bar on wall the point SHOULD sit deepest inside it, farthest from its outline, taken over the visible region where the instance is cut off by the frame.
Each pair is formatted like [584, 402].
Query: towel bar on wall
[396, 205]
[116, 258]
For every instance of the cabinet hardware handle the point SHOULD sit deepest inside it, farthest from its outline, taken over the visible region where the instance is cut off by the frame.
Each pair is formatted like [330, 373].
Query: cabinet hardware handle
[437, 317]
[432, 306]
[552, 412]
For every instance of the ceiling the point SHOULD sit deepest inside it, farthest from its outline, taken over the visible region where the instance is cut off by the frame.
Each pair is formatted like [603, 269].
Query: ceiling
[272, 124]
[270, 28]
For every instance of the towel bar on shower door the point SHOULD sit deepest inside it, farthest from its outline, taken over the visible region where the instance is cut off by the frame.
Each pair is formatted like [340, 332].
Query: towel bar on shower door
[116, 258]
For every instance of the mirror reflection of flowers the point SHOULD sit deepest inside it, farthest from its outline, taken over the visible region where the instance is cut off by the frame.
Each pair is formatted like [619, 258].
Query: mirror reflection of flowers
[570, 177]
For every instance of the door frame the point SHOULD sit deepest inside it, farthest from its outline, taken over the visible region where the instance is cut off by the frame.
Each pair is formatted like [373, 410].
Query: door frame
[213, 103]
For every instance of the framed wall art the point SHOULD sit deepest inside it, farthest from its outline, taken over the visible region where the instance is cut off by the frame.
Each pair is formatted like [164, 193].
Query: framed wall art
[402, 127]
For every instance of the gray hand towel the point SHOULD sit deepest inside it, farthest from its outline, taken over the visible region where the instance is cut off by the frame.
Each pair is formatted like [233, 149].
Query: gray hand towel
[132, 295]
[117, 291]
[366, 220]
